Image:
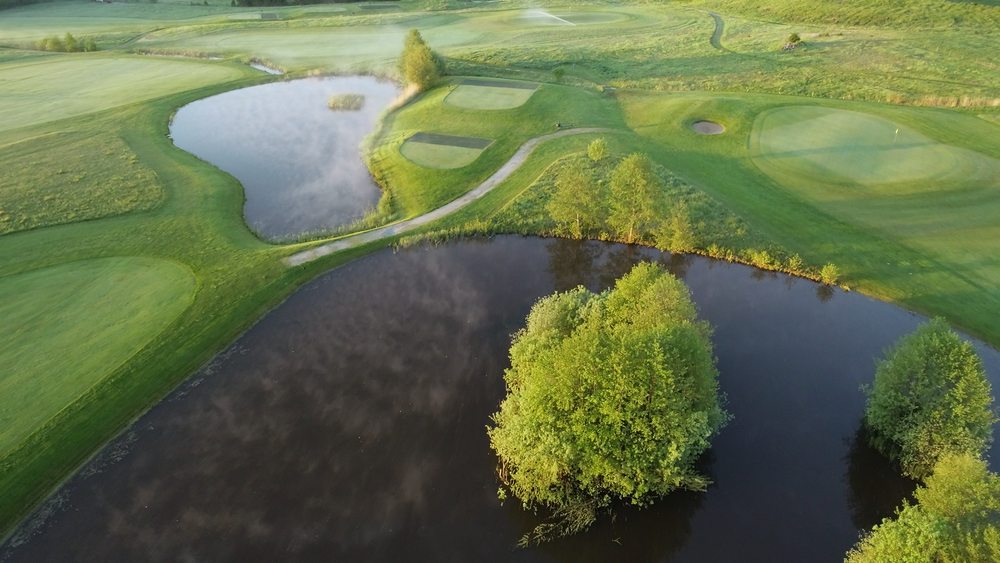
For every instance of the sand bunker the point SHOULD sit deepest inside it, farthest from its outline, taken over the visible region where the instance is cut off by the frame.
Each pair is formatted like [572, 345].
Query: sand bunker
[707, 128]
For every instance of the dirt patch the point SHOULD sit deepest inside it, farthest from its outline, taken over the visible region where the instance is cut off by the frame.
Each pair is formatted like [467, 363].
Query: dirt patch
[704, 127]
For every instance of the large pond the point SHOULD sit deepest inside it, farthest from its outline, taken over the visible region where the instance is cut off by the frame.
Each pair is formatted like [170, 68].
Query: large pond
[299, 162]
[349, 425]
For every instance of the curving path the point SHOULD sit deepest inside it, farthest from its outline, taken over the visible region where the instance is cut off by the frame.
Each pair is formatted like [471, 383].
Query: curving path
[720, 26]
[401, 227]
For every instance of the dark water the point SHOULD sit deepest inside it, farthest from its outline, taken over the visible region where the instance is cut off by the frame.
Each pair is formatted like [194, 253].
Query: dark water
[348, 425]
[299, 162]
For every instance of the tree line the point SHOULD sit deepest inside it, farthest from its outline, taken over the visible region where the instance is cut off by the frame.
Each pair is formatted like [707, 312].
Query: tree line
[67, 44]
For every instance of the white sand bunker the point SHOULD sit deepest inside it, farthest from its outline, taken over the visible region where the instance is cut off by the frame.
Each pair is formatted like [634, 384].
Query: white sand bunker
[704, 127]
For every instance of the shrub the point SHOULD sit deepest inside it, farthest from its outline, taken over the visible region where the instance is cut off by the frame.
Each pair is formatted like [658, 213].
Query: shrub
[610, 396]
[346, 102]
[956, 518]
[930, 398]
[793, 39]
[597, 150]
[71, 43]
[829, 274]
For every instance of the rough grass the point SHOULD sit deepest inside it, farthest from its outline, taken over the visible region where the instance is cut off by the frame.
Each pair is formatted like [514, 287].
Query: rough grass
[438, 156]
[69, 176]
[49, 88]
[48, 360]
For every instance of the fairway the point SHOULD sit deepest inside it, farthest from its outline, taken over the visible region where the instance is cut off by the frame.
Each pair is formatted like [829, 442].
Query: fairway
[433, 150]
[799, 145]
[482, 94]
[73, 325]
[66, 85]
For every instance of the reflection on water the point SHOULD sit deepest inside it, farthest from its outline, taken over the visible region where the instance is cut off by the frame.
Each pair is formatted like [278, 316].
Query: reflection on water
[349, 424]
[299, 162]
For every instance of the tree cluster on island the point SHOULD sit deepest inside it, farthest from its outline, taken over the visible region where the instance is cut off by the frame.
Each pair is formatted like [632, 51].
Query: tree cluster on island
[612, 397]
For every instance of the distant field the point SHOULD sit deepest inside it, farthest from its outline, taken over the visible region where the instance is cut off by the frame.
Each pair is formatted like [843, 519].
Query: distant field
[75, 84]
[69, 326]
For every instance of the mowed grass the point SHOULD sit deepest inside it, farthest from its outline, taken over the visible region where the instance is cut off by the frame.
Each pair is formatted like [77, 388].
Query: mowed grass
[470, 96]
[43, 89]
[432, 155]
[415, 189]
[67, 176]
[813, 146]
[930, 244]
[71, 325]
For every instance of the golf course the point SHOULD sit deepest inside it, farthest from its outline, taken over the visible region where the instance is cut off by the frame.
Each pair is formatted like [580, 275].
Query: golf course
[167, 207]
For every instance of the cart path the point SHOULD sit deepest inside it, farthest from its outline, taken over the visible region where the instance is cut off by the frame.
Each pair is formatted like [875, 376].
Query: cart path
[401, 227]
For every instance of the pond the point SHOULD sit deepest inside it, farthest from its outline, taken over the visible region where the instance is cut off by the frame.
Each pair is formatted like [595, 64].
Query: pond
[349, 424]
[299, 162]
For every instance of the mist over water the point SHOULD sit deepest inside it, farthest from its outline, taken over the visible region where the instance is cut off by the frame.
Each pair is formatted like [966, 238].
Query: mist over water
[299, 162]
[349, 425]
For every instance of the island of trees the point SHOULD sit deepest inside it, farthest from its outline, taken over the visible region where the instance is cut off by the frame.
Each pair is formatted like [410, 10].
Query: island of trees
[611, 397]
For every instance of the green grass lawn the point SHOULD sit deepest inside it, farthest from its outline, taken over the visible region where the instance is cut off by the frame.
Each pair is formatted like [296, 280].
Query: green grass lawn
[471, 96]
[416, 189]
[930, 245]
[93, 193]
[42, 89]
[49, 361]
[432, 155]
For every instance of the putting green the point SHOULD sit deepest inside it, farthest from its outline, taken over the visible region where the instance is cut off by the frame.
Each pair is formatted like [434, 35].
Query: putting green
[439, 156]
[433, 150]
[490, 95]
[70, 326]
[839, 148]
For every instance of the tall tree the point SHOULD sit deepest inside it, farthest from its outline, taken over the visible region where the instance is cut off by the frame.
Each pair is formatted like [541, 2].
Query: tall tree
[418, 65]
[577, 202]
[636, 193]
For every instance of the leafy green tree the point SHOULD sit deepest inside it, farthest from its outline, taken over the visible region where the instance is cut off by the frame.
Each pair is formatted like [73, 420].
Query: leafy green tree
[71, 43]
[794, 38]
[597, 150]
[930, 398]
[636, 193]
[956, 518]
[610, 396]
[677, 232]
[89, 45]
[577, 203]
[418, 65]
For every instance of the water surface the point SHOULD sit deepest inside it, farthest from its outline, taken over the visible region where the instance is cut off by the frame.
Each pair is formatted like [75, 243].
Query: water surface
[299, 162]
[349, 425]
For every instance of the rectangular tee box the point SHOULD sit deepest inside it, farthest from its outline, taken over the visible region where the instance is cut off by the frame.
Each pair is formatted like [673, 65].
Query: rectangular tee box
[486, 94]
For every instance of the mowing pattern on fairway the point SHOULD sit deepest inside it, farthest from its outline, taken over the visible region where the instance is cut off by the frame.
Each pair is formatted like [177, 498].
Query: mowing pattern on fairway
[483, 94]
[434, 150]
[845, 148]
[72, 325]
[68, 85]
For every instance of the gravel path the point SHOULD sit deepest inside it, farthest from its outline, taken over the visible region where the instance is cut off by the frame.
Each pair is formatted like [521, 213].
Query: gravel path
[401, 227]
